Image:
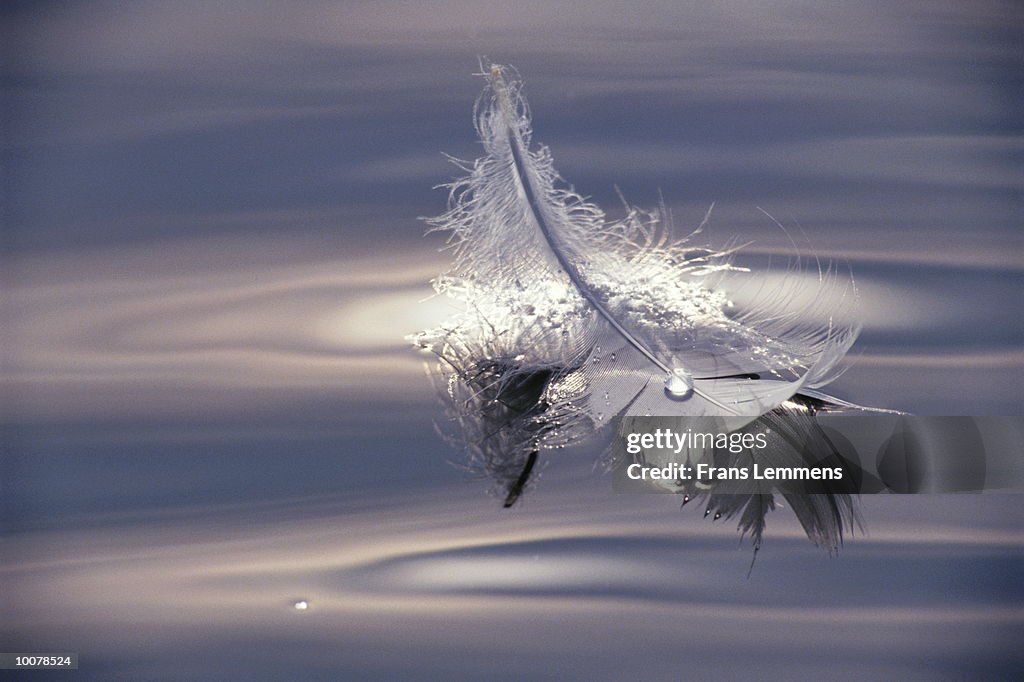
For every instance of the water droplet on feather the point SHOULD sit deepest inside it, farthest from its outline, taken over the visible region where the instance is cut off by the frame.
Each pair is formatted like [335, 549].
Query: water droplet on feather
[679, 383]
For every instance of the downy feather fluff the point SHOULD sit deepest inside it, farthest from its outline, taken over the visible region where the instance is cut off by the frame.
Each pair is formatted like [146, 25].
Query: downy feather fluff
[571, 318]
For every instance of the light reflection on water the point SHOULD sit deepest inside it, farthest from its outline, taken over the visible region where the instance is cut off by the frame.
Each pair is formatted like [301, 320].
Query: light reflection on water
[404, 575]
[195, 335]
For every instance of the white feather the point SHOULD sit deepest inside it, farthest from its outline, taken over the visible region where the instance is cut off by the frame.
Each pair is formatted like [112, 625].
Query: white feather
[572, 318]
[622, 310]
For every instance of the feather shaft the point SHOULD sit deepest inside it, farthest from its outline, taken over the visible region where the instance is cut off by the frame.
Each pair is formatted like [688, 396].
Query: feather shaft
[538, 213]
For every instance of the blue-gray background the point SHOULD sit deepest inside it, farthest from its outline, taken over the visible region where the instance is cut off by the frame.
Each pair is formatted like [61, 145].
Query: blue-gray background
[212, 254]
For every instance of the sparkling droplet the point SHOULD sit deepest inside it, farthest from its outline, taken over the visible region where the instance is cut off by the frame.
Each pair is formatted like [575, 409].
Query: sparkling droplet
[600, 416]
[718, 515]
[679, 383]
[686, 498]
[301, 605]
[707, 512]
[613, 357]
